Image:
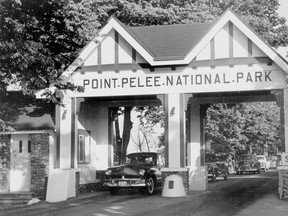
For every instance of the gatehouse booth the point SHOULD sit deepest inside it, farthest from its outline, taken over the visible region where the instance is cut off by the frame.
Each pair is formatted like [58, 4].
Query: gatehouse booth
[182, 67]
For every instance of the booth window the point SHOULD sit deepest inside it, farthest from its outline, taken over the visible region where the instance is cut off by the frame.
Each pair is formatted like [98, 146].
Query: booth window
[29, 146]
[83, 147]
[20, 146]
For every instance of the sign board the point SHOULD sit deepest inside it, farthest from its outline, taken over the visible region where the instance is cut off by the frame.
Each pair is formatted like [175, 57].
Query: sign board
[109, 83]
[284, 159]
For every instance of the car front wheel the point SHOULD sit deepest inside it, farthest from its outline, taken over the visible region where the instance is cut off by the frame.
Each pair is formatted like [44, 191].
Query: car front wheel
[113, 190]
[150, 186]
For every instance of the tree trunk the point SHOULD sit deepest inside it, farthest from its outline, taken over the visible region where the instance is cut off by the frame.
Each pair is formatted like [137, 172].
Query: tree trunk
[127, 126]
[118, 140]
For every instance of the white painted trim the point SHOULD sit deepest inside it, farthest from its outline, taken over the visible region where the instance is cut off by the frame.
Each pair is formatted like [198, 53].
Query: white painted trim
[26, 132]
[229, 16]
[269, 51]
[91, 46]
[174, 169]
[132, 42]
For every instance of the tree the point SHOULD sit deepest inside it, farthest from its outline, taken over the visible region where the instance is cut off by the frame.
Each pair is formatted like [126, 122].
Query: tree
[224, 128]
[142, 140]
[244, 127]
[39, 39]
[260, 15]
[262, 125]
[127, 126]
[151, 117]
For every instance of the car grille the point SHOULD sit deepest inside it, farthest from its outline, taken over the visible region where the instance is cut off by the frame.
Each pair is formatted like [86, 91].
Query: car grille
[245, 167]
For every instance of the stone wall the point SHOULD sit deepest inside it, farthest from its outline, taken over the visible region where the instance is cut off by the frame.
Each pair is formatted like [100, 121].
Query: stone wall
[39, 164]
[96, 186]
[91, 187]
[5, 158]
[283, 183]
[77, 184]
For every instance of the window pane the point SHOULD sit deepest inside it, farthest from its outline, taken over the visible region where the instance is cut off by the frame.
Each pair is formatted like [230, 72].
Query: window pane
[81, 148]
[20, 146]
[29, 146]
[87, 150]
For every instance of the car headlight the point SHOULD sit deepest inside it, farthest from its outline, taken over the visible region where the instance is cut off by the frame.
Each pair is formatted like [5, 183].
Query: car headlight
[141, 172]
[108, 172]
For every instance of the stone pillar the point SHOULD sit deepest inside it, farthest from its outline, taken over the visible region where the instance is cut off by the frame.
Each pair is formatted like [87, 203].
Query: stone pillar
[197, 170]
[282, 101]
[5, 158]
[39, 164]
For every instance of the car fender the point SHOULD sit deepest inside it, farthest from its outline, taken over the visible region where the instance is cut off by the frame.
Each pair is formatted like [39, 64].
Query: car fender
[154, 171]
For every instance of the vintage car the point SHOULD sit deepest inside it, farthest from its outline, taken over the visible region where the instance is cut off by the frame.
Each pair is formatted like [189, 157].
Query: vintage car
[264, 163]
[275, 161]
[247, 163]
[216, 166]
[141, 170]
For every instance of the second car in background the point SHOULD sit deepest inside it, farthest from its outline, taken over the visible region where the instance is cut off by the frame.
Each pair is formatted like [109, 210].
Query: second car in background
[247, 163]
[216, 166]
[264, 163]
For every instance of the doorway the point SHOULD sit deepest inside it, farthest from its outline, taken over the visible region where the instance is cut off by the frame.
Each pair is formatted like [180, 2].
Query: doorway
[20, 172]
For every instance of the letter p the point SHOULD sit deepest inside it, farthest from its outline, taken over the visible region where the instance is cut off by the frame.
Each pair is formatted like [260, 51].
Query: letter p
[86, 82]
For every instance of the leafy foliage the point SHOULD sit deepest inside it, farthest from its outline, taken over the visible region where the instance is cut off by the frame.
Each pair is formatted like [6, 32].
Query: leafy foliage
[260, 15]
[150, 117]
[39, 39]
[244, 127]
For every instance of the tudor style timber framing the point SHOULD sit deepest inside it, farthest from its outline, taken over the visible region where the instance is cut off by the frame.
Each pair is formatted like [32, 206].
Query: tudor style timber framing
[189, 59]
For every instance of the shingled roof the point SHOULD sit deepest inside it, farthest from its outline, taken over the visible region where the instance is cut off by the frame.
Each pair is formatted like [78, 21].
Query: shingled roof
[165, 45]
[170, 42]
[25, 113]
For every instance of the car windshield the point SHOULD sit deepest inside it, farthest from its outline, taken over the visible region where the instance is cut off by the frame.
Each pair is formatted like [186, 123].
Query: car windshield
[260, 158]
[214, 158]
[141, 159]
[245, 157]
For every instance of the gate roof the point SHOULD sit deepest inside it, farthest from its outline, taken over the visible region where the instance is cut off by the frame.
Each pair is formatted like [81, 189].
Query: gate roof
[173, 44]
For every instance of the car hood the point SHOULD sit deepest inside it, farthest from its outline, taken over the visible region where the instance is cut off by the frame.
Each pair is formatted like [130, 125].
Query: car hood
[127, 170]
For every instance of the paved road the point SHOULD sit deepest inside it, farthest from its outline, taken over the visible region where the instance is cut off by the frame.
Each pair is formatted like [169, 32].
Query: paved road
[235, 196]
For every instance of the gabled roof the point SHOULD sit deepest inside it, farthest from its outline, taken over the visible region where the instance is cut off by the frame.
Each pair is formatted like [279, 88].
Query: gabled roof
[172, 44]
[25, 113]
